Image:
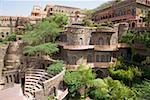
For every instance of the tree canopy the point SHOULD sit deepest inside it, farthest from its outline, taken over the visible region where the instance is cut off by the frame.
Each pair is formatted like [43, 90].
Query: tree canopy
[40, 38]
[109, 89]
[55, 68]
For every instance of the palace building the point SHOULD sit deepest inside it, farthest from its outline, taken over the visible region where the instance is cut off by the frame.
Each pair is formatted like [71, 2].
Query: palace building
[10, 24]
[74, 14]
[133, 12]
[93, 47]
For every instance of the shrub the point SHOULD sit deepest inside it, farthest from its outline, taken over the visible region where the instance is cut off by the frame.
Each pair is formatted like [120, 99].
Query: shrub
[11, 37]
[55, 68]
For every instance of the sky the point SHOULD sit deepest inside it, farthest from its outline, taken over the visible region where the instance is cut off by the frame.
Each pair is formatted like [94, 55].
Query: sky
[24, 7]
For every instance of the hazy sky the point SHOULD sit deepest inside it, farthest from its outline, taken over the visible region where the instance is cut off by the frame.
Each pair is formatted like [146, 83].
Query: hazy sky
[24, 7]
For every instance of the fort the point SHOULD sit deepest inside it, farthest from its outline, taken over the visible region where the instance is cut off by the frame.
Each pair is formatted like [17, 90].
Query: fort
[95, 47]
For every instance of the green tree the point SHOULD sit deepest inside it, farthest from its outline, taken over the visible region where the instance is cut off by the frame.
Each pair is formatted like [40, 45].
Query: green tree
[79, 81]
[55, 68]
[41, 39]
[43, 49]
[125, 72]
[109, 89]
[143, 90]
[11, 37]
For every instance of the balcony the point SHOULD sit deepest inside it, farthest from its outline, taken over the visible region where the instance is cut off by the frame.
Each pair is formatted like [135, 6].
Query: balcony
[78, 47]
[105, 47]
[123, 45]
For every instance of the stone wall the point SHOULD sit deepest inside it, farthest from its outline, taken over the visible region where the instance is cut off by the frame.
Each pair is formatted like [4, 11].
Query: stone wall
[3, 49]
[52, 84]
[78, 35]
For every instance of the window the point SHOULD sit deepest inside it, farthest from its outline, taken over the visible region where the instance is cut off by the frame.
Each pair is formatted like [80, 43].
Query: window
[10, 78]
[7, 33]
[133, 12]
[81, 41]
[108, 58]
[97, 58]
[89, 58]
[107, 41]
[103, 58]
[74, 60]
[100, 41]
[133, 24]
[6, 79]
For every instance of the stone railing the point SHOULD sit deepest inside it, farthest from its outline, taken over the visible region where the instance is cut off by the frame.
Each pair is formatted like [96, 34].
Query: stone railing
[53, 82]
[78, 47]
[105, 47]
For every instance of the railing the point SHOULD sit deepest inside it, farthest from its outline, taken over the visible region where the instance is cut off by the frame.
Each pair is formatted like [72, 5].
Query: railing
[123, 45]
[78, 47]
[105, 47]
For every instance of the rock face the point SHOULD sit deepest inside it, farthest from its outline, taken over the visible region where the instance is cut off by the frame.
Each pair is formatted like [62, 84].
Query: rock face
[12, 57]
[3, 49]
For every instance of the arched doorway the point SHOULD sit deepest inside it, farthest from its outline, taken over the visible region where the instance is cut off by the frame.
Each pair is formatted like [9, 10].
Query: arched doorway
[133, 24]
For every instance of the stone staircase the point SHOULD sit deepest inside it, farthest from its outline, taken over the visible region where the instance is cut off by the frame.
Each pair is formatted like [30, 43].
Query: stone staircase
[34, 79]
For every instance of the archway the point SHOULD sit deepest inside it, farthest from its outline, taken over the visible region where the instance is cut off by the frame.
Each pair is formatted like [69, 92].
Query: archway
[133, 24]
[100, 41]
[89, 58]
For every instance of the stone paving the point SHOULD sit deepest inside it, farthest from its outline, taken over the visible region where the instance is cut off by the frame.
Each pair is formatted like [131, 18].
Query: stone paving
[14, 93]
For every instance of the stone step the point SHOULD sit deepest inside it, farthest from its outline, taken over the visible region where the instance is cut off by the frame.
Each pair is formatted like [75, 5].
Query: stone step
[9, 67]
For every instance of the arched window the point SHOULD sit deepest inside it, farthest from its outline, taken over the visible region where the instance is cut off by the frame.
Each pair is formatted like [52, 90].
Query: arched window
[100, 41]
[10, 78]
[74, 60]
[97, 58]
[7, 79]
[103, 58]
[107, 41]
[108, 58]
[7, 33]
[89, 58]
[81, 41]
[133, 24]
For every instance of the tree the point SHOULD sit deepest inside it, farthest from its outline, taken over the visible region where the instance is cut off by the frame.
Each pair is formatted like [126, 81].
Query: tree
[143, 90]
[43, 49]
[40, 38]
[55, 68]
[109, 89]
[79, 81]
[124, 72]
[11, 37]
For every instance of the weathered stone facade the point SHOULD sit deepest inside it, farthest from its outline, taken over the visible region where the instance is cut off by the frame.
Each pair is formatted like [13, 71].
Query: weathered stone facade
[88, 46]
[133, 12]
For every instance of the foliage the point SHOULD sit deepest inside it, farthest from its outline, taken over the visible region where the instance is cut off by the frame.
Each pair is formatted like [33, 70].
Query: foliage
[28, 27]
[130, 37]
[80, 79]
[127, 38]
[138, 58]
[146, 61]
[143, 90]
[40, 36]
[55, 68]
[11, 37]
[125, 72]
[108, 89]
[46, 49]
[47, 30]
